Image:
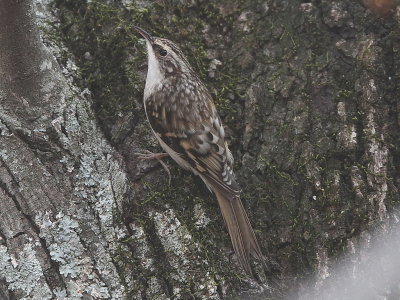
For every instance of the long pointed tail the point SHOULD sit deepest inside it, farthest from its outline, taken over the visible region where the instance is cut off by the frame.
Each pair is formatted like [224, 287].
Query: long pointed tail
[242, 235]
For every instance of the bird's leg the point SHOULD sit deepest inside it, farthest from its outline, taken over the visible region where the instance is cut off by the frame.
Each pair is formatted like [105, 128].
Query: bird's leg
[147, 155]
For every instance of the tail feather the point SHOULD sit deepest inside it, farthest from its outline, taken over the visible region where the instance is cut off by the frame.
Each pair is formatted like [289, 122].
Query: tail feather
[238, 224]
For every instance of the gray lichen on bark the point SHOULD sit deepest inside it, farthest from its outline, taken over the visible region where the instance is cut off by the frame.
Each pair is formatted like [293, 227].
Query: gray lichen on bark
[60, 180]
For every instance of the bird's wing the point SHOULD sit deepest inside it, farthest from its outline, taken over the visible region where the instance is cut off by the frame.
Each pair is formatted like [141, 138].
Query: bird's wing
[199, 139]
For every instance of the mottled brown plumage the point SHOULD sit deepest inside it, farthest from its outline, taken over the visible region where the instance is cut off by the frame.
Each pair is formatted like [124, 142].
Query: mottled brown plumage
[185, 121]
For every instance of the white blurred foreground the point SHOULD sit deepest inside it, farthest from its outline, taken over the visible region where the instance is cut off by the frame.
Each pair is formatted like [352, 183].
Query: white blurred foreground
[370, 272]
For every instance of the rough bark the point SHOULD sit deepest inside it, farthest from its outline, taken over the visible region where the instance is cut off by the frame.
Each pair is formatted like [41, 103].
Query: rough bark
[307, 92]
[59, 179]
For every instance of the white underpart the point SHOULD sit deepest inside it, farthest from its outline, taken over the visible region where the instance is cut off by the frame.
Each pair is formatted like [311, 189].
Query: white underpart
[154, 74]
[153, 82]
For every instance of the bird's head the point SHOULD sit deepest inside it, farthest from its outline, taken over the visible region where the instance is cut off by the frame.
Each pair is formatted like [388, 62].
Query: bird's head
[164, 58]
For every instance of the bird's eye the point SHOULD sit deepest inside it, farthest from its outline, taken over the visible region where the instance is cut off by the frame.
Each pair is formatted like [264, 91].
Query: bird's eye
[163, 52]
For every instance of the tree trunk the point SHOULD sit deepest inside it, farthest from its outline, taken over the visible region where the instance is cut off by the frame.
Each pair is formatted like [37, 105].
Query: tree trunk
[308, 95]
[60, 180]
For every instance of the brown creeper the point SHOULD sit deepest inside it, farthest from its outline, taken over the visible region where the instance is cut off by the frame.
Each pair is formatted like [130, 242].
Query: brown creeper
[185, 121]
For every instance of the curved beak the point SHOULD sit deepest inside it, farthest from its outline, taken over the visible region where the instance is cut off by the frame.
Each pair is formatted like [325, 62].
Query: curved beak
[144, 34]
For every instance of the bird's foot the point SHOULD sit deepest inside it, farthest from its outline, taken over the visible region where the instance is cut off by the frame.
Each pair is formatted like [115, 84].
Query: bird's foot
[147, 155]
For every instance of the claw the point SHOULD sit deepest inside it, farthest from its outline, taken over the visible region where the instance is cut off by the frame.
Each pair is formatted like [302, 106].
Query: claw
[147, 155]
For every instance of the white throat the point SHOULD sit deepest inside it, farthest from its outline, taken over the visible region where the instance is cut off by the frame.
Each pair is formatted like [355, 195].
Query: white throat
[154, 75]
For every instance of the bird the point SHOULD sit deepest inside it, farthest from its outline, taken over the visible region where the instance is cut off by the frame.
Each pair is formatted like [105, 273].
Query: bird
[185, 121]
